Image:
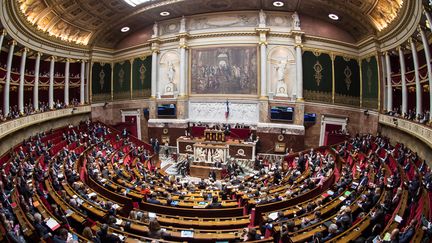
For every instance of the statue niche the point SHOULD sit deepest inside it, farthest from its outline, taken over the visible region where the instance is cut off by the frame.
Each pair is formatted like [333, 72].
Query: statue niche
[170, 88]
[282, 72]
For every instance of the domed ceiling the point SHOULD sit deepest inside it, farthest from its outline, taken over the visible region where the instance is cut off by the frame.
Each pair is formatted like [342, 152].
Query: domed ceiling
[98, 22]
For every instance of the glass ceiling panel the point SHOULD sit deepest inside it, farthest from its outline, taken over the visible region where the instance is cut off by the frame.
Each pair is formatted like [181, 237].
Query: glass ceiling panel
[134, 3]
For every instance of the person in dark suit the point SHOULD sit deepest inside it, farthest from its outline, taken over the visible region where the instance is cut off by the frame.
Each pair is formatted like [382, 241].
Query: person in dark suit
[61, 236]
[41, 228]
[215, 203]
[153, 200]
[332, 232]
[106, 237]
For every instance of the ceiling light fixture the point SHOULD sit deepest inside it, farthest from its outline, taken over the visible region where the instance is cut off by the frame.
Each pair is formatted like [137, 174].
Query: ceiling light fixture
[125, 29]
[278, 4]
[164, 13]
[333, 16]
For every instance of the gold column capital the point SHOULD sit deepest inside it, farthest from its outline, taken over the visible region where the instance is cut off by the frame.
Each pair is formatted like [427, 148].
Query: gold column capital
[25, 50]
[13, 43]
[3, 32]
[53, 58]
[263, 43]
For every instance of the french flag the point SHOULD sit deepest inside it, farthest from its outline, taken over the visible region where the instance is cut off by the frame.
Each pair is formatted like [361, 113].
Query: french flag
[227, 110]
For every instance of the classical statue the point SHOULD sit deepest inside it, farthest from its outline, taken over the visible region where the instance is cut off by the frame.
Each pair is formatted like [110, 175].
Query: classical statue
[281, 89]
[171, 72]
[170, 88]
[155, 30]
[262, 19]
[280, 69]
[296, 21]
[183, 25]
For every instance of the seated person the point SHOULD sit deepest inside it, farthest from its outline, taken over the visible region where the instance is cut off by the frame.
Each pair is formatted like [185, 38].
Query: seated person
[215, 203]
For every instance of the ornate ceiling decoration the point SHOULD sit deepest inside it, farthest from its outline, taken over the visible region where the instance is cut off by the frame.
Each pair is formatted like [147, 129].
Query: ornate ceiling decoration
[98, 22]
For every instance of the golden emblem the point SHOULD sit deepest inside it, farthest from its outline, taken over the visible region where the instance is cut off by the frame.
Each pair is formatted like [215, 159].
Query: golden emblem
[348, 74]
[318, 68]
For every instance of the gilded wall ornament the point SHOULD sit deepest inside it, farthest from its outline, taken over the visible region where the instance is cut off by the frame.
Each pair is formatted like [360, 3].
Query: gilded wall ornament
[348, 74]
[101, 79]
[142, 71]
[369, 79]
[121, 76]
[318, 68]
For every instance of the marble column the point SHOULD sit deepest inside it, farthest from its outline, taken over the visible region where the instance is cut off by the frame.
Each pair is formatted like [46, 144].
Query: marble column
[154, 73]
[384, 78]
[87, 80]
[389, 83]
[66, 80]
[21, 81]
[299, 64]
[429, 66]
[419, 108]
[51, 84]
[36, 82]
[263, 62]
[182, 89]
[403, 80]
[8, 79]
[82, 83]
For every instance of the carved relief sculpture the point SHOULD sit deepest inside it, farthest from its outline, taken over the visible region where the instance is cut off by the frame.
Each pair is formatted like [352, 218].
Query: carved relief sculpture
[155, 30]
[183, 25]
[296, 21]
[262, 19]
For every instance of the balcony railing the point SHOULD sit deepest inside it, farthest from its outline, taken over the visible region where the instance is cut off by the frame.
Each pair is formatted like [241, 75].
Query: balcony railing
[420, 131]
[14, 125]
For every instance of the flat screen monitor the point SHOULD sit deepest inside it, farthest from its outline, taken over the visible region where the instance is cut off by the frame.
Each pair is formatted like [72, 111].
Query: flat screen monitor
[167, 111]
[310, 117]
[282, 113]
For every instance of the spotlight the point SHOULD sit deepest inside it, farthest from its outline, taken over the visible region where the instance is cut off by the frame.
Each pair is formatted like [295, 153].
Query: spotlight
[164, 13]
[278, 4]
[125, 29]
[333, 16]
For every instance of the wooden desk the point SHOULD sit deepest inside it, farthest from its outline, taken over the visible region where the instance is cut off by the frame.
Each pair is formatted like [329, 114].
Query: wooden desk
[204, 171]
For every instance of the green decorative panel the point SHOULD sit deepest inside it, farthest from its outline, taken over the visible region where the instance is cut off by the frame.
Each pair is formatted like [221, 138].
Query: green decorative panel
[141, 77]
[122, 80]
[347, 81]
[101, 82]
[370, 83]
[317, 76]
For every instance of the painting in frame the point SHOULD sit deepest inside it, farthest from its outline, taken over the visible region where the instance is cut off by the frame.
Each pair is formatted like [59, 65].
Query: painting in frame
[224, 70]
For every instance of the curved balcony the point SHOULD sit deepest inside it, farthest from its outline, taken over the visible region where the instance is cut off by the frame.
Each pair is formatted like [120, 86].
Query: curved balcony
[420, 131]
[11, 126]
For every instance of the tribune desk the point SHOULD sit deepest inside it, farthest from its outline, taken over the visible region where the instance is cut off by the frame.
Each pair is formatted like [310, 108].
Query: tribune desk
[206, 153]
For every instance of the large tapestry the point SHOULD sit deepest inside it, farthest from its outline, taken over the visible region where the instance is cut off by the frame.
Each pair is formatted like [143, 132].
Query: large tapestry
[370, 83]
[121, 79]
[141, 77]
[347, 81]
[101, 82]
[317, 76]
[224, 70]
